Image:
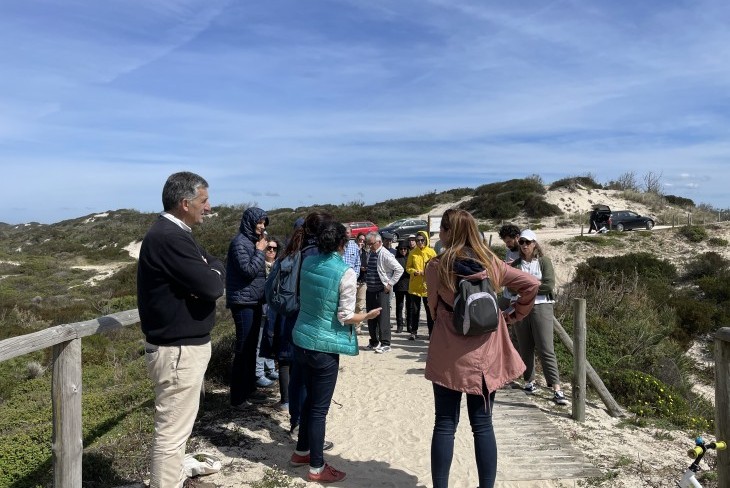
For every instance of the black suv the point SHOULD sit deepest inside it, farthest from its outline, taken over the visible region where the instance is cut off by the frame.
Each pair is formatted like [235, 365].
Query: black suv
[626, 219]
[602, 216]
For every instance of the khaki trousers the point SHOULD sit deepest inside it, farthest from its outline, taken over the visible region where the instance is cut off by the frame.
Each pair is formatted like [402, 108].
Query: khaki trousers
[177, 376]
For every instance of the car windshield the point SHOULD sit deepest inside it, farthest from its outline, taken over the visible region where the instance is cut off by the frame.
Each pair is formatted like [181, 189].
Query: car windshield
[397, 223]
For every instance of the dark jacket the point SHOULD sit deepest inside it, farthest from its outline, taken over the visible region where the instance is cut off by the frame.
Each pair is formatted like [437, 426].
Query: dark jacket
[178, 283]
[246, 265]
[363, 265]
[405, 278]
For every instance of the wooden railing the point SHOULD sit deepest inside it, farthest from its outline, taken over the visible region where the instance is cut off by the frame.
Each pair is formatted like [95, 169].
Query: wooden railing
[67, 442]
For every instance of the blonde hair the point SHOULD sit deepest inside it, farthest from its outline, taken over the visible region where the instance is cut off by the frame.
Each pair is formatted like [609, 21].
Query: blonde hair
[465, 243]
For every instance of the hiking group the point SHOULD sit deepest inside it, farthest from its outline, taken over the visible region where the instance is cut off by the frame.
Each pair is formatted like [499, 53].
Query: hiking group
[298, 307]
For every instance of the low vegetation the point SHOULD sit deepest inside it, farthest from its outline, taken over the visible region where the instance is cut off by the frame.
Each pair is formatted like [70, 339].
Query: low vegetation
[643, 316]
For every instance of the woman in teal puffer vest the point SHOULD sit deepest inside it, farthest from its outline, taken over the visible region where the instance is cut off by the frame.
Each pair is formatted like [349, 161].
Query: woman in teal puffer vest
[322, 332]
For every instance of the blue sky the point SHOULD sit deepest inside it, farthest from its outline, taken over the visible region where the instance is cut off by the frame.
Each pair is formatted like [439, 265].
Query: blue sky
[289, 103]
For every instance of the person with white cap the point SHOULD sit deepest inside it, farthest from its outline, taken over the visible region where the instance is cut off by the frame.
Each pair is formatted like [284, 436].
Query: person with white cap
[536, 330]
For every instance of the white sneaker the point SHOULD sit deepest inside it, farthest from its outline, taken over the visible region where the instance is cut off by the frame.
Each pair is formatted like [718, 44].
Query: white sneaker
[559, 398]
[382, 349]
[373, 348]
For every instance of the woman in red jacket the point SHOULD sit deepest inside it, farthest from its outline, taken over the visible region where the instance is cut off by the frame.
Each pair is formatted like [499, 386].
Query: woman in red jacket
[475, 365]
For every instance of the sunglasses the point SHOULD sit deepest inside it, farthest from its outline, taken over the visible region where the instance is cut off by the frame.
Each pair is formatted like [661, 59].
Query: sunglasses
[524, 242]
[271, 248]
[420, 240]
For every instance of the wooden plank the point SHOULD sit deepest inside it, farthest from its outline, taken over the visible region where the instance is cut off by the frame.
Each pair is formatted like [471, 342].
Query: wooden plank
[579, 364]
[20, 345]
[67, 440]
[517, 423]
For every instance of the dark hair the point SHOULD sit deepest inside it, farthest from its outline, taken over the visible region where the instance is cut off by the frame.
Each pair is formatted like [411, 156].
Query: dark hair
[310, 228]
[465, 243]
[181, 186]
[331, 236]
[279, 245]
[509, 230]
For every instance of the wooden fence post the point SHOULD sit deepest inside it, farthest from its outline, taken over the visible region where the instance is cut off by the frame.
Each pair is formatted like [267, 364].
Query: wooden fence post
[614, 409]
[67, 442]
[579, 359]
[722, 403]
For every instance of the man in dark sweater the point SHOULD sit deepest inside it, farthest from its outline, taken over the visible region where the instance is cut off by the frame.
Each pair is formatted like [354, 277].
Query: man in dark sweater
[178, 283]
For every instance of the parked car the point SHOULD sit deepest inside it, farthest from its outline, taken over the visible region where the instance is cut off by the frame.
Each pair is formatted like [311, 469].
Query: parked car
[601, 216]
[404, 227]
[361, 227]
[626, 219]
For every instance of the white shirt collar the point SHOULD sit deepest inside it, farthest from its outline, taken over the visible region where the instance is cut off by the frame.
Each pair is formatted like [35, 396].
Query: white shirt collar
[177, 221]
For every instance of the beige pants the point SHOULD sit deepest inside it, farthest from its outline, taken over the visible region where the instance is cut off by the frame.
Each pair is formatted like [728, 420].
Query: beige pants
[177, 375]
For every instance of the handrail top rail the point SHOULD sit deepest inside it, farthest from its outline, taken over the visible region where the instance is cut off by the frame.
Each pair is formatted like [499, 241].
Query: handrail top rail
[35, 341]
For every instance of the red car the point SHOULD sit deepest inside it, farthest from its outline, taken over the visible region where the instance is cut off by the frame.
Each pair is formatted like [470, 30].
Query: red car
[362, 227]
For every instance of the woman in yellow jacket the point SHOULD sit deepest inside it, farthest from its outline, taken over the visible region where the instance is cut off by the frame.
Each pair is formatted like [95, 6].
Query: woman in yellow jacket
[415, 267]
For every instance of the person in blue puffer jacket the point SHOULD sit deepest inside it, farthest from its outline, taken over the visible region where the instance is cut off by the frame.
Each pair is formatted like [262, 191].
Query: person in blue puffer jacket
[322, 332]
[245, 279]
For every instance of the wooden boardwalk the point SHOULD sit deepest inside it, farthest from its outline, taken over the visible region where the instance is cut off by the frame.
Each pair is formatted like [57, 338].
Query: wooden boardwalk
[531, 448]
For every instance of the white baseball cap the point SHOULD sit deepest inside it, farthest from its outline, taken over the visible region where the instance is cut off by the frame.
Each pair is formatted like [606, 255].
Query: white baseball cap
[529, 235]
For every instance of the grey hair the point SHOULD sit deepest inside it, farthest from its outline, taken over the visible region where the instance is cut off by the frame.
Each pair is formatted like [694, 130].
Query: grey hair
[181, 186]
[375, 236]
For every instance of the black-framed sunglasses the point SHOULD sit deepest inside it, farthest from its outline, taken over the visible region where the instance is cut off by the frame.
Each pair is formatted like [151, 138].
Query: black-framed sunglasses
[272, 248]
[420, 240]
[524, 242]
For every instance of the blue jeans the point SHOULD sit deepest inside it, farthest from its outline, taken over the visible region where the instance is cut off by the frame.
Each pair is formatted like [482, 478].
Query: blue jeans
[263, 365]
[319, 372]
[243, 371]
[448, 404]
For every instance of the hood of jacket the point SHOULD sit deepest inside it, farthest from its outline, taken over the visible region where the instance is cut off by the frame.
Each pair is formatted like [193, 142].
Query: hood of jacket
[251, 217]
[424, 234]
[467, 267]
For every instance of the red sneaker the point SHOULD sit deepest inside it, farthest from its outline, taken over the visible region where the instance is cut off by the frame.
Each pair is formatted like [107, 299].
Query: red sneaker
[298, 459]
[328, 475]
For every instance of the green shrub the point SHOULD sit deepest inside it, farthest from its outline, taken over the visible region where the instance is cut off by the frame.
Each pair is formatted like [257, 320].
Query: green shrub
[646, 267]
[696, 316]
[706, 264]
[693, 233]
[505, 200]
[572, 183]
[679, 201]
[717, 242]
[647, 396]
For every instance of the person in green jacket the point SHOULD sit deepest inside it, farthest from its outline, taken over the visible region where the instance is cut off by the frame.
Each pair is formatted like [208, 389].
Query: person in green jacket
[536, 330]
[323, 330]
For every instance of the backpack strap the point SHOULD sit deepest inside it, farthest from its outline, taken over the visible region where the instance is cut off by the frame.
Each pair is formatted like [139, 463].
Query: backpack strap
[301, 261]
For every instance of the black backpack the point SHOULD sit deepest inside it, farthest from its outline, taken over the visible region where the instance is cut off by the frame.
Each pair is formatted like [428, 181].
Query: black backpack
[475, 307]
[282, 285]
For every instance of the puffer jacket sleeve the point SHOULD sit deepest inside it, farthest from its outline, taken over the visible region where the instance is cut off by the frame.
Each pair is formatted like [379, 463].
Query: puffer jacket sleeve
[248, 260]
